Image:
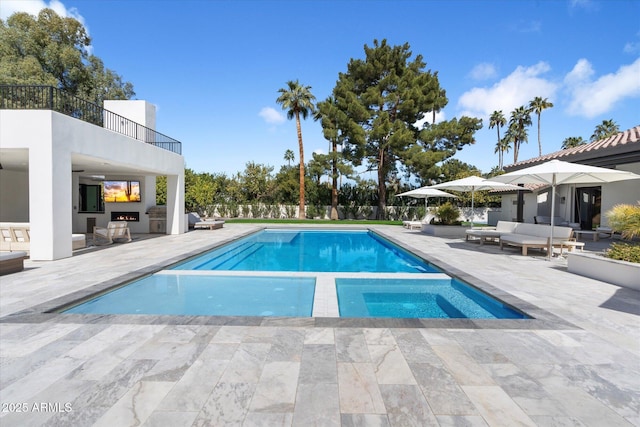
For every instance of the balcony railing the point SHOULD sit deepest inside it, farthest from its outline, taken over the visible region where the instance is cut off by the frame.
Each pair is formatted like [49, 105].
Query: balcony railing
[18, 97]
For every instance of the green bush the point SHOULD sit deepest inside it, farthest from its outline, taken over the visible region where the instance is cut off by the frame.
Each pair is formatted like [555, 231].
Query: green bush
[625, 219]
[448, 214]
[624, 252]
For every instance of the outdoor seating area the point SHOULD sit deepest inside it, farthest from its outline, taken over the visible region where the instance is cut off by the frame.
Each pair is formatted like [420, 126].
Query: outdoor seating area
[486, 234]
[114, 231]
[535, 236]
[196, 222]
[525, 236]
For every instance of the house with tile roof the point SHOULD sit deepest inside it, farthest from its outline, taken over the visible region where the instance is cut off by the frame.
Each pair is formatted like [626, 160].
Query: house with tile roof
[583, 204]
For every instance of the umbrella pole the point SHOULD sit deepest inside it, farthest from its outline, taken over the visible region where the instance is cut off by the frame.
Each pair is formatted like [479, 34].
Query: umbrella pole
[553, 209]
[472, 191]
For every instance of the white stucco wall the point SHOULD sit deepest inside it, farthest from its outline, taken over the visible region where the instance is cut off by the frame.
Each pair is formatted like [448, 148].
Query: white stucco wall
[52, 140]
[139, 111]
[622, 192]
[14, 191]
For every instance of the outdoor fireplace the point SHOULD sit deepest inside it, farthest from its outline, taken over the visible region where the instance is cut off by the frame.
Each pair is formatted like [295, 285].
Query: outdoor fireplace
[125, 216]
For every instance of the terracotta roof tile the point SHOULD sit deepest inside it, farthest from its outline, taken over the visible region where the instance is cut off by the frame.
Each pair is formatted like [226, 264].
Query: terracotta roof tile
[629, 140]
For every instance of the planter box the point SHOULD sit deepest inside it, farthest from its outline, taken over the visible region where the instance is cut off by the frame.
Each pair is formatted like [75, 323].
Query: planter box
[448, 231]
[621, 273]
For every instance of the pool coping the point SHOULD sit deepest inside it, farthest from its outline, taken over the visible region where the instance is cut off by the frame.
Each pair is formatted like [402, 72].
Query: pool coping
[47, 311]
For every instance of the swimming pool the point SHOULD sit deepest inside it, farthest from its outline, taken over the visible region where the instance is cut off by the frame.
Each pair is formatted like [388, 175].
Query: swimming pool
[349, 273]
[176, 294]
[418, 298]
[313, 251]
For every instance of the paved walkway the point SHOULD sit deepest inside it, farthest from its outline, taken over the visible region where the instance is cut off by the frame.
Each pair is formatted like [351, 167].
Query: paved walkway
[576, 364]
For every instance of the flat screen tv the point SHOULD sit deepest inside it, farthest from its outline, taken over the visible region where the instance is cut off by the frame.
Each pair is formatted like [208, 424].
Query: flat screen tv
[121, 191]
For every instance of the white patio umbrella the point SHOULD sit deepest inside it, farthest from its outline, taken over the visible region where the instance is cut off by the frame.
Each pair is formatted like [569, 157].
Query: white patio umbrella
[425, 193]
[556, 172]
[473, 184]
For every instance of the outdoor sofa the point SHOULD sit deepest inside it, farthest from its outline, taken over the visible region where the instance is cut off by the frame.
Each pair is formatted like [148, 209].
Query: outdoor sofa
[12, 262]
[527, 236]
[195, 222]
[14, 236]
[523, 235]
[490, 233]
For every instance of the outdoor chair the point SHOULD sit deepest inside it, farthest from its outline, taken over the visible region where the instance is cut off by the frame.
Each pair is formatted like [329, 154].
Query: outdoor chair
[417, 225]
[115, 230]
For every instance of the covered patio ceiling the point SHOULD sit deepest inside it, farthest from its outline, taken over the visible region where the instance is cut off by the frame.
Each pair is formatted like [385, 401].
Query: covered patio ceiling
[18, 160]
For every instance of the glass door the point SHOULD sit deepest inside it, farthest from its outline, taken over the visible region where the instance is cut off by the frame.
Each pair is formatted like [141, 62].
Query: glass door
[588, 200]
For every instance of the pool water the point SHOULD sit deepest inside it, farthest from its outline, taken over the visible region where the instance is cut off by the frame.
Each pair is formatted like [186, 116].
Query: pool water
[418, 298]
[199, 285]
[311, 250]
[176, 294]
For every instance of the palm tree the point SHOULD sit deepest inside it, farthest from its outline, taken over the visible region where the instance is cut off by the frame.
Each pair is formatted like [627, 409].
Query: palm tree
[537, 105]
[572, 141]
[520, 119]
[497, 120]
[502, 146]
[289, 156]
[298, 101]
[604, 130]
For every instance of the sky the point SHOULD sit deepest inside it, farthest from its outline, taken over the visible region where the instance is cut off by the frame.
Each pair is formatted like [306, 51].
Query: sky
[213, 68]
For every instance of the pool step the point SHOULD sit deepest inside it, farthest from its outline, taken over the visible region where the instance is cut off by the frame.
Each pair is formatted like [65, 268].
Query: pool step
[230, 263]
[232, 256]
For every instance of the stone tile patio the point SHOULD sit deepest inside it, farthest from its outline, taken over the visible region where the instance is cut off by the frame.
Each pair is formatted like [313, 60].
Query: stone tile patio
[576, 364]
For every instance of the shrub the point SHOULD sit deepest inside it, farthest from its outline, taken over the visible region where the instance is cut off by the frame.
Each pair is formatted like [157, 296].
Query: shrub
[624, 252]
[290, 211]
[625, 219]
[366, 211]
[448, 214]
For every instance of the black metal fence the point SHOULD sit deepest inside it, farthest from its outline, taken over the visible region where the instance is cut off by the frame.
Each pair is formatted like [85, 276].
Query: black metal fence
[19, 97]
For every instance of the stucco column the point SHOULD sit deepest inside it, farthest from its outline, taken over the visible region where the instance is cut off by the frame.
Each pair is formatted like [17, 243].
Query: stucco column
[175, 204]
[50, 203]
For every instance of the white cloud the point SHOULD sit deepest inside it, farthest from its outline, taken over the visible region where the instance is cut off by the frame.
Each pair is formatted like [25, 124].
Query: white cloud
[271, 115]
[591, 98]
[319, 151]
[518, 88]
[428, 118]
[483, 71]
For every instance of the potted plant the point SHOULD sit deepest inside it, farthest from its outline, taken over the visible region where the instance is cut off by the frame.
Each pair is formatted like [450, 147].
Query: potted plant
[448, 224]
[620, 264]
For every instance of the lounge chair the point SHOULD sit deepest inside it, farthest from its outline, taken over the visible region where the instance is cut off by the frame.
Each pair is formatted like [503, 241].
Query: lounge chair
[417, 225]
[195, 222]
[115, 230]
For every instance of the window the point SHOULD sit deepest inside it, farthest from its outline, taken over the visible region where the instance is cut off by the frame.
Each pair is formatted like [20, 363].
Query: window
[91, 198]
